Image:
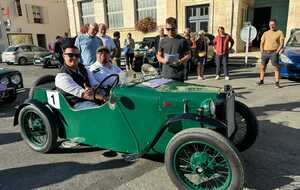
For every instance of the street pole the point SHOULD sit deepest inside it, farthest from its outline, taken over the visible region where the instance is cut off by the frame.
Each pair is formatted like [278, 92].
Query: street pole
[247, 47]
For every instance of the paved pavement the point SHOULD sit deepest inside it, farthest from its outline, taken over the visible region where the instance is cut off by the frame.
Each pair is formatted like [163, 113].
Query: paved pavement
[272, 163]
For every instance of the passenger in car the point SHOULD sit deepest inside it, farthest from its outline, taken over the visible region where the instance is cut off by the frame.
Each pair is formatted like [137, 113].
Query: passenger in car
[102, 68]
[72, 80]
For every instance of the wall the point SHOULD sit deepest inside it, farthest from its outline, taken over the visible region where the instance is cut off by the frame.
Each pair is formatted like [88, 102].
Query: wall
[128, 16]
[294, 15]
[3, 39]
[56, 23]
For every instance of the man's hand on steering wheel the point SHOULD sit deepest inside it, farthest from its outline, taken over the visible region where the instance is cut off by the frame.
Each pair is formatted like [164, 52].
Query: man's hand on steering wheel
[102, 92]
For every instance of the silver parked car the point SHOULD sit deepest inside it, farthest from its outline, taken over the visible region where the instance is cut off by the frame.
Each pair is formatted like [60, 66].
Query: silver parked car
[22, 54]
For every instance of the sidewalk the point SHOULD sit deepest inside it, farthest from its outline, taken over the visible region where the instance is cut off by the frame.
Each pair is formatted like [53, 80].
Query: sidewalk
[239, 58]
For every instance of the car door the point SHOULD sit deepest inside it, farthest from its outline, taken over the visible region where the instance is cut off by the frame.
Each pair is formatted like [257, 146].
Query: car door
[26, 51]
[39, 51]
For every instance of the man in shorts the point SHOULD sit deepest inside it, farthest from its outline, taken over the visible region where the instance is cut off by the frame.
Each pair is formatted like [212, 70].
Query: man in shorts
[271, 45]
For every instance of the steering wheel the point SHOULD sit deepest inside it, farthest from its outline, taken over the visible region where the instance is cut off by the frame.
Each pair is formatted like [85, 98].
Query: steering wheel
[104, 90]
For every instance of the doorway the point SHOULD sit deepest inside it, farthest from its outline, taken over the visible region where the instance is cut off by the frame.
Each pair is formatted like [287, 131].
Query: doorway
[41, 39]
[261, 20]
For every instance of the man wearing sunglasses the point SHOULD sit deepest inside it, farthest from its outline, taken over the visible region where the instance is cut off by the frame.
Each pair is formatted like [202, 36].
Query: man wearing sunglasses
[72, 80]
[173, 52]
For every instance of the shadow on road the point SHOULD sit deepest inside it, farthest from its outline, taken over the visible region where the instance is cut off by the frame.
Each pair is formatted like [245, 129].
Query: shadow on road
[79, 149]
[274, 159]
[35, 176]
[8, 138]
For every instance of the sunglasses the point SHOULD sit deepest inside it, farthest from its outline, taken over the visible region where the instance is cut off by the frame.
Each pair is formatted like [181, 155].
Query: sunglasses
[73, 55]
[171, 29]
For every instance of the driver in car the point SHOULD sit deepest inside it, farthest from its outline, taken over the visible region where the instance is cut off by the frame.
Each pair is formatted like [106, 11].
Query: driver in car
[73, 82]
[103, 68]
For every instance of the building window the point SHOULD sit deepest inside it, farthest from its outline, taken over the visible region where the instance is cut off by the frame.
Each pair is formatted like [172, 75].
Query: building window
[146, 8]
[114, 13]
[87, 12]
[197, 18]
[18, 6]
[37, 14]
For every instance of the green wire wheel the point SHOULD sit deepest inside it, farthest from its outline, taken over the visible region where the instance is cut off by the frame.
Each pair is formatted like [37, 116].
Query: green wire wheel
[201, 159]
[37, 130]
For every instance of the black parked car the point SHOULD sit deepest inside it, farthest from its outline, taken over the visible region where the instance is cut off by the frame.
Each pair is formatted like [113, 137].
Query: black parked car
[48, 60]
[11, 83]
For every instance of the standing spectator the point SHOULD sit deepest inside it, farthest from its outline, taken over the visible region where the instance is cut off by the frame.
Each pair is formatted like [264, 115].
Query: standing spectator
[159, 37]
[222, 48]
[58, 50]
[201, 54]
[173, 52]
[107, 40]
[88, 44]
[117, 56]
[271, 44]
[187, 35]
[129, 51]
[84, 29]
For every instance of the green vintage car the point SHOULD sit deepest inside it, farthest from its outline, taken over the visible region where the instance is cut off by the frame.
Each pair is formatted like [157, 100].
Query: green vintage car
[199, 129]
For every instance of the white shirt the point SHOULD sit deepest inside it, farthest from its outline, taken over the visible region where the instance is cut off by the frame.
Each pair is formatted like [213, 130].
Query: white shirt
[100, 72]
[108, 42]
[65, 82]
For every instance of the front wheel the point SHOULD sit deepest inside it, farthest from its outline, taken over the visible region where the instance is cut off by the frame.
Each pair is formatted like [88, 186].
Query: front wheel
[22, 61]
[201, 159]
[37, 130]
[246, 127]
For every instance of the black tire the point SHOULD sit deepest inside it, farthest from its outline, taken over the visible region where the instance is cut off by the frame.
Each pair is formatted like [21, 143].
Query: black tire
[50, 129]
[43, 80]
[22, 61]
[211, 138]
[46, 64]
[40, 81]
[246, 134]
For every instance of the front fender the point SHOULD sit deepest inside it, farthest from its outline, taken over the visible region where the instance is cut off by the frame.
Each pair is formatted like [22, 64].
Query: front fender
[39, 105]
[203, 120]
[219, 126]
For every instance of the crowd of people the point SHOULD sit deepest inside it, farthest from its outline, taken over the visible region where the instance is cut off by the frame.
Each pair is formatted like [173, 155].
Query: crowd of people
[93, 55]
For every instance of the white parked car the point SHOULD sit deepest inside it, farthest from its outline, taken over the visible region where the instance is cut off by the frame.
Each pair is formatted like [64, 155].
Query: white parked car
[22, 54]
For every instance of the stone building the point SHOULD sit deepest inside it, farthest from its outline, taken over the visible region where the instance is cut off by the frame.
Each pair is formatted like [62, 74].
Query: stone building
[3, 40]
[198, 15]
[34, 21]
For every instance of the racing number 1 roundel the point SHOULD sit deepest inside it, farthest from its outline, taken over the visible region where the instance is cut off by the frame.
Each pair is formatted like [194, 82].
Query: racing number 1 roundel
[53, 99]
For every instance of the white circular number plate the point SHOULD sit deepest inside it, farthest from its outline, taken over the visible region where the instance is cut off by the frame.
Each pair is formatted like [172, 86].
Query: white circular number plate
[248, 33]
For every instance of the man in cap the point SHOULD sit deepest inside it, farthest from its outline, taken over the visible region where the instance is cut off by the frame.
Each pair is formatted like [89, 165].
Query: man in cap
[103, 67]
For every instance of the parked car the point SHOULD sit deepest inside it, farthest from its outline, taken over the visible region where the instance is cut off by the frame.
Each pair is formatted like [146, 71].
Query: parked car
[47, 60]
[22, 54]
[290, 57]
[11, 83]
[199, 128]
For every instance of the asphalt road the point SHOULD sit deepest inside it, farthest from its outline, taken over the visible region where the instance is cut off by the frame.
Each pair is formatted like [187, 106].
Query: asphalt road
[272, 163]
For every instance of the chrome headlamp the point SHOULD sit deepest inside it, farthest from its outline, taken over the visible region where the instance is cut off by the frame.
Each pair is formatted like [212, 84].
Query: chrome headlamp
[16, 79]
[285, 59]
[4, 81]
[209, 106]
